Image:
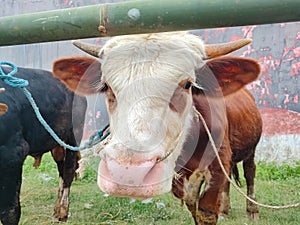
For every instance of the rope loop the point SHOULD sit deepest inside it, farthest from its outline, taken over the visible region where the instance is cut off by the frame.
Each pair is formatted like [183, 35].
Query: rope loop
[9, 79]
[97, 137]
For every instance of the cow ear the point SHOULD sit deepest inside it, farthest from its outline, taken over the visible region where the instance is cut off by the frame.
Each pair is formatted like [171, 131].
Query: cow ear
[225, 75]
[3, 108]
[81, 75]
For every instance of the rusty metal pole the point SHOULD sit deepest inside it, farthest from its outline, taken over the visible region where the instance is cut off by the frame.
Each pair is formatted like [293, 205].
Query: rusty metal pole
[143, 16]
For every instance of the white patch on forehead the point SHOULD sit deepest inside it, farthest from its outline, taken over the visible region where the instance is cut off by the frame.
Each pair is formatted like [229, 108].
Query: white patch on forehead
[144, 114]
[169, 56]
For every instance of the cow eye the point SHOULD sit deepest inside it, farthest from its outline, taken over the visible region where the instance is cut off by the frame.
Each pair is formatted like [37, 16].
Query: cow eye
[187, 85]
[103, 87]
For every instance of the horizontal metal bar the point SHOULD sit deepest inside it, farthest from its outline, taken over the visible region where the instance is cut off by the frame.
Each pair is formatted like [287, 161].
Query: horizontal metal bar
[144, 16]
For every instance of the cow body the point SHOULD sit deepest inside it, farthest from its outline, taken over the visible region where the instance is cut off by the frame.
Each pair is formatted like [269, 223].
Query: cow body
[23, 135]
[156, 87]
[244, 127]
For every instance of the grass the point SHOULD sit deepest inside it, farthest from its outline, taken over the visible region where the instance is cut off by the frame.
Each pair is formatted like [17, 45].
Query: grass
[274, 185]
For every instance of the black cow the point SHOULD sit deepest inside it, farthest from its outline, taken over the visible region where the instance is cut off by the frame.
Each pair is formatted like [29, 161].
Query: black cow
[23, 135]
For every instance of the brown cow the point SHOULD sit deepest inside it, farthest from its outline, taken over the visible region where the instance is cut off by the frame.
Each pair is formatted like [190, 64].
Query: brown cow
[154, 84]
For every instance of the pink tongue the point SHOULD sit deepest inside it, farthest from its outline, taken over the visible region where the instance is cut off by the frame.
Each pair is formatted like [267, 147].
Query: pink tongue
[131, 175]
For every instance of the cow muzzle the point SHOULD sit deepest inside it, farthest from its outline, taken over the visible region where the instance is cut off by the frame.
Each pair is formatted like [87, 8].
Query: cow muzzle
[139, 179]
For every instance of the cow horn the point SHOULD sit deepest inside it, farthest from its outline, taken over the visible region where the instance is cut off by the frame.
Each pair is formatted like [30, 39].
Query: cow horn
[91, 49]
[214, 50]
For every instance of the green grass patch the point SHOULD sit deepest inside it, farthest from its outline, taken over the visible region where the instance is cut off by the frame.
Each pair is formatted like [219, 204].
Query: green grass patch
[275, 185]
[271, 171]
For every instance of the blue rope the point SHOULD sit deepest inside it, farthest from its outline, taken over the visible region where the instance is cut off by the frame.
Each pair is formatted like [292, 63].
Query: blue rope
[21, 83]
[9, 79]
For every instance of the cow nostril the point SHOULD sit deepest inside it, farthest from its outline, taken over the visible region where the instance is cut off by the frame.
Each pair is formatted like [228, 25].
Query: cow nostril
[156, 159]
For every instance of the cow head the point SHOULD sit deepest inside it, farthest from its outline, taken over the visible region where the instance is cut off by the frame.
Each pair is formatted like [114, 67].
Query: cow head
[149, 81]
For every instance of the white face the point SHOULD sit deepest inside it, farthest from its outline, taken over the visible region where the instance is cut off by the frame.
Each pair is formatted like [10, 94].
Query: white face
[150, 108]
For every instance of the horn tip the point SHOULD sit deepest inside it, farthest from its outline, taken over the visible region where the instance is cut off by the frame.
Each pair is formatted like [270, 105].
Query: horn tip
[248, 40]
[75, 42]
[87, 47]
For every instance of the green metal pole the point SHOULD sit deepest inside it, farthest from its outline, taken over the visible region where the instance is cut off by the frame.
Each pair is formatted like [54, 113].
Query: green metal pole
[143, 16]
[50, 26]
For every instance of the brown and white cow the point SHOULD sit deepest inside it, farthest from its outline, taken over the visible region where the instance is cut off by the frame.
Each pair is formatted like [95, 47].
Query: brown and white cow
[154, 84]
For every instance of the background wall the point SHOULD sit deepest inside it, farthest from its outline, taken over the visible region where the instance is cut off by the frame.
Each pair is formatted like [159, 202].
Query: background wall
[275, 46]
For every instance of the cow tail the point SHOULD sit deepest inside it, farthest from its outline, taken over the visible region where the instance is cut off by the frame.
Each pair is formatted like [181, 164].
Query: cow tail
[236, 176]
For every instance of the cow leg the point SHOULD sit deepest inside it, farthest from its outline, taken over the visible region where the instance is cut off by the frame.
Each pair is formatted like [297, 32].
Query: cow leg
[209, 203]
[249, 173]
[191, 191]
[204, 209]
[205, 213]
[67, 163]
[225, 202]
[10, 185]
[58, 155]
[11, 161]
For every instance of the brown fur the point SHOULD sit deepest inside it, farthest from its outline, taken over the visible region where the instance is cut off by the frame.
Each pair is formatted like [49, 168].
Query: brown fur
[241, 125]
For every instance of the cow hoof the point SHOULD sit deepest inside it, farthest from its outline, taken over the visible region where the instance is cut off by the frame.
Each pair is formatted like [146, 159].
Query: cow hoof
[63, 219]
[252, 210]
[223, 215]
[253, 216]
[56, 212]
[205, 218]
[60, 214]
